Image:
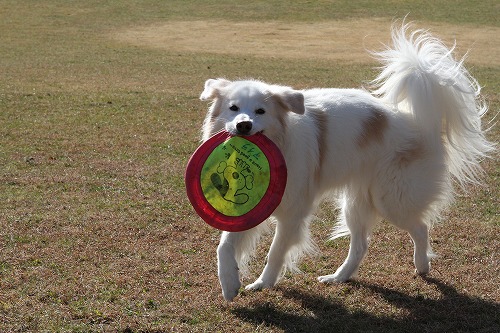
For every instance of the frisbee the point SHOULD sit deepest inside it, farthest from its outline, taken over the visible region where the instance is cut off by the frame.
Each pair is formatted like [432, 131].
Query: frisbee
[235, 182]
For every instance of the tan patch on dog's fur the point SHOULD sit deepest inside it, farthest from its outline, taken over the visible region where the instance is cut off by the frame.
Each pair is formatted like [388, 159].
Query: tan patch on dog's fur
[216, 108]
[415, 152]
[373, 129]
[210, 123]
[321, 123]
[280, 103]
[281, 114]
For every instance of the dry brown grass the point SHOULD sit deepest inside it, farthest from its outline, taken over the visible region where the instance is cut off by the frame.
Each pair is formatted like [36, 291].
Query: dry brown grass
[339, 40]
[96, 233]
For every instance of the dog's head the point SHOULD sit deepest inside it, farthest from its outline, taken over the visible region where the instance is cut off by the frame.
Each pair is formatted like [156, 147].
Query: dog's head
[249, 107]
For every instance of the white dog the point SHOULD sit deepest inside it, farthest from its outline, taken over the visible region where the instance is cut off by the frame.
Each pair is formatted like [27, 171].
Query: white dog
[387, 154]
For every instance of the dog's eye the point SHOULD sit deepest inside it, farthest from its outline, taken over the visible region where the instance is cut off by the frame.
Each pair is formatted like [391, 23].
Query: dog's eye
[260, 111]
[234, 108]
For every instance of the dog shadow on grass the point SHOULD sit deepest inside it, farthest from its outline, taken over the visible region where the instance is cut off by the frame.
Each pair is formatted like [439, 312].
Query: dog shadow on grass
[452, 312]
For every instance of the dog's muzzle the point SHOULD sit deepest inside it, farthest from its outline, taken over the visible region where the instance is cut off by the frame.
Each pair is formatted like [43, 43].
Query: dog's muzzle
[244, 127]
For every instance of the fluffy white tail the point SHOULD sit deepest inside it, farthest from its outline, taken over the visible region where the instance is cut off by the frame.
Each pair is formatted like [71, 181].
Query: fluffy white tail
[421, 77]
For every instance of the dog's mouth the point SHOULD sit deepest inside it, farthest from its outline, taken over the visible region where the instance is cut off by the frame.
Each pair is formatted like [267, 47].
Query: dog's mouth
[249, 134]
[238, 133]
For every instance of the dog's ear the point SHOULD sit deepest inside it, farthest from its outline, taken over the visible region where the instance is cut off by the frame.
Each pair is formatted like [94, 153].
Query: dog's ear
[292, 100]
[212, 88]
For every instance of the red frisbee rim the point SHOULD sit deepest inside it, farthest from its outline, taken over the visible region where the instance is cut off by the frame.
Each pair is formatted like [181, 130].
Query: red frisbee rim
[266, 206]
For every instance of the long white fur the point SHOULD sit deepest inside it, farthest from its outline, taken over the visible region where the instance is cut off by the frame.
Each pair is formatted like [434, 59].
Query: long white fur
[389, 154]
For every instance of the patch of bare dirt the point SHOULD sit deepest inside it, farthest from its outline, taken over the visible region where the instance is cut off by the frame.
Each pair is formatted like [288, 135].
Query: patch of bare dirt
[332, 40]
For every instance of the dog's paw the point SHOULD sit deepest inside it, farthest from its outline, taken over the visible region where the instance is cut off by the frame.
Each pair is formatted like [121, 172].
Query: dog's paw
[230, 293]
[332, 278]
[230, 289]
[422, 267]
[257, 285]
[230, 283]
[422, 273]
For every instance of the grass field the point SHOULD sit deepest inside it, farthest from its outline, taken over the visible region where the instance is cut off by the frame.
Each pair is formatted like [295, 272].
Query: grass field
[99, 113]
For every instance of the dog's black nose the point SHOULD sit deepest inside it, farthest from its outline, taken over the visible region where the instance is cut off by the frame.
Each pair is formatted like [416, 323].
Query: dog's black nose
[244, 127]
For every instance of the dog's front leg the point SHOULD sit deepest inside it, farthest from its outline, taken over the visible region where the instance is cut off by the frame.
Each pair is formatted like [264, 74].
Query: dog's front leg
[360, 217]
[286, 237]
[227, 265]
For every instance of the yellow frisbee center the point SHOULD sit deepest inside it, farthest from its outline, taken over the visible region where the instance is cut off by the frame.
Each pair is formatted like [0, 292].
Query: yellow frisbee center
[235, 176]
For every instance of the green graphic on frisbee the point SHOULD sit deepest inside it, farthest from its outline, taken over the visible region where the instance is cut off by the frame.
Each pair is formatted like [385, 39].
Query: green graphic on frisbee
[235, 177]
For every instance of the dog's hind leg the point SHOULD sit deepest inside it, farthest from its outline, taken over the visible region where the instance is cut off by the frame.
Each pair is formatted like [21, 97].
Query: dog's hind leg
[360, 218]
[419, 232]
